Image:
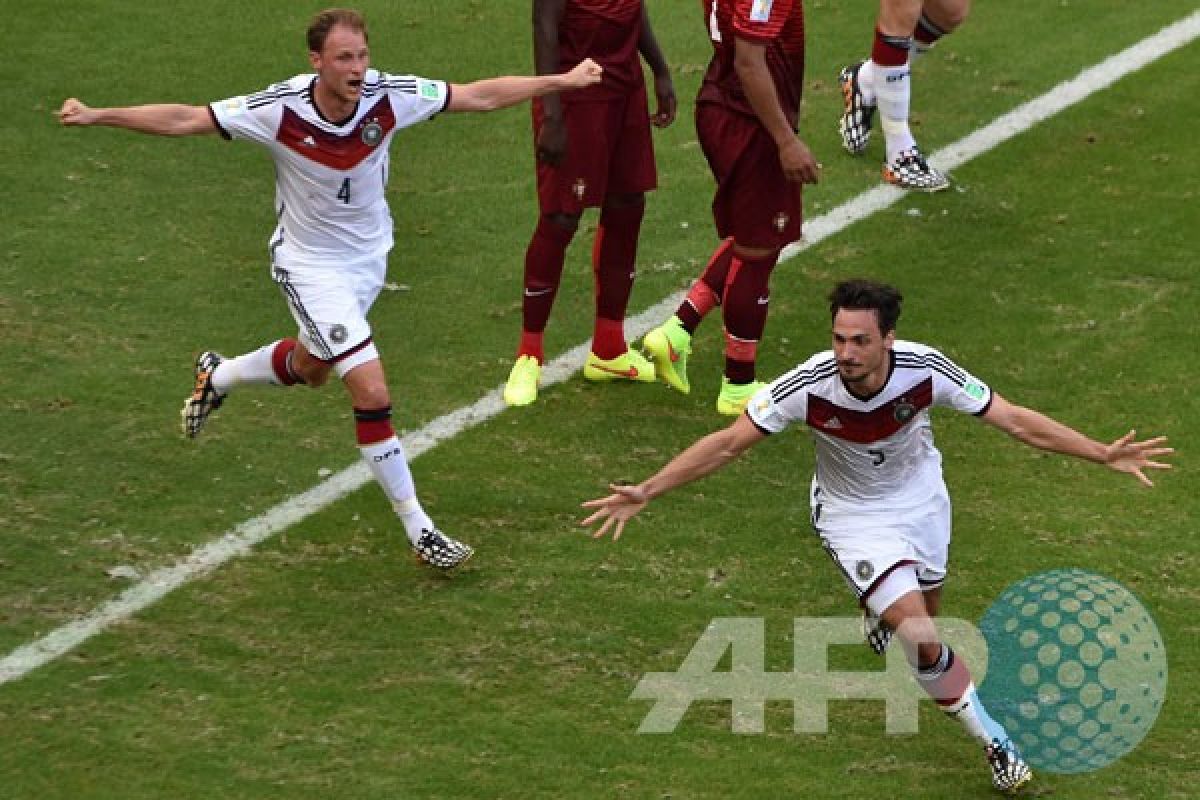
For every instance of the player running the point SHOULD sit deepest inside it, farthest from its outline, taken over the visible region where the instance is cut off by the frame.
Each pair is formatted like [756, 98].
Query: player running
[904, 30]
[878, 500]
[328, 133]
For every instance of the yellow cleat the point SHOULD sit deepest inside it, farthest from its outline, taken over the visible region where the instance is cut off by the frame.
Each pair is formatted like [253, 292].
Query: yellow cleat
[668, 346]
[629, 366]
[734, 396]
[522, 386]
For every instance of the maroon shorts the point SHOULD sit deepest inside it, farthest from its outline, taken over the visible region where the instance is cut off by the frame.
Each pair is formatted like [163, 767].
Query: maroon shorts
[609, 151]
[754, 203]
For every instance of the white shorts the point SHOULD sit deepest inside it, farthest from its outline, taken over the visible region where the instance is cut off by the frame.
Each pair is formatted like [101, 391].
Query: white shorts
[330, 306]
[885, 556]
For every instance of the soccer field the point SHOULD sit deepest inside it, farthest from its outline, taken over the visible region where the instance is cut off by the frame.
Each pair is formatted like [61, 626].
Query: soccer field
[1060, 269]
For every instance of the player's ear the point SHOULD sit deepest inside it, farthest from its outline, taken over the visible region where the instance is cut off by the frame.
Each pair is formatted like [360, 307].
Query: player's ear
[314, 58]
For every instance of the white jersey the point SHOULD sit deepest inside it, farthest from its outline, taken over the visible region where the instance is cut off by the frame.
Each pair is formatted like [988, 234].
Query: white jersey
[330, 176]
[874, 454]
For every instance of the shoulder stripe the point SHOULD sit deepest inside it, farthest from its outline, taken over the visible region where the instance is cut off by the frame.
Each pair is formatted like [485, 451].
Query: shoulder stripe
[390, 85]
[265, 99]
[803, 378]
[933, 361]
[948, 368]
[408, 87]
[272, 90]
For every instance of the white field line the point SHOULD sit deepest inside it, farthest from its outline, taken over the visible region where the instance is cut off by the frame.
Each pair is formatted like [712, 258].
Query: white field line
[244, 537]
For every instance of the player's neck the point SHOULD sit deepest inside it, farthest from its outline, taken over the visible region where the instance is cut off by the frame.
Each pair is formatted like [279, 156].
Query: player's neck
[874, 382]
[330, 106]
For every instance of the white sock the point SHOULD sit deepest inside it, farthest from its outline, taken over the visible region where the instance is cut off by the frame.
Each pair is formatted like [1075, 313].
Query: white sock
[893, 91]
[969, 711]
[390, 468]
[251, 368]
[866, 81]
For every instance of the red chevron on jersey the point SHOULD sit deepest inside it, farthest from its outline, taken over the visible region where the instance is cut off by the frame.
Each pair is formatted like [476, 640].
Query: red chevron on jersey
[337, 151]
[865, 427]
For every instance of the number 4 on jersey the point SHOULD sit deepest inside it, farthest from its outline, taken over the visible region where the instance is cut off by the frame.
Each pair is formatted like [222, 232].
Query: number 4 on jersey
[344, 192]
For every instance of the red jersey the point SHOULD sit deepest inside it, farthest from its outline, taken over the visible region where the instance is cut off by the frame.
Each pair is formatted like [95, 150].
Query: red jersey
[778, 25]
[608, 32]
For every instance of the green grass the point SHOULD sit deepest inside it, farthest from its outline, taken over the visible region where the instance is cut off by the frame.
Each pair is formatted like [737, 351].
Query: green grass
[1061, 271]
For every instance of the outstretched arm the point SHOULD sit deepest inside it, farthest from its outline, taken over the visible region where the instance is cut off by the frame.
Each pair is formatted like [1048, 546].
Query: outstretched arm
[508, 90]
[167, 119]
[704, 457]
[1038, 430]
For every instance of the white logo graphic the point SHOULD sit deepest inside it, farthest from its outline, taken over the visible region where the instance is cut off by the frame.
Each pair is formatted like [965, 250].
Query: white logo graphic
[309, 141]
[538, 292]
[833, 424]
[762, 301]
[761, 10]
[810, 685]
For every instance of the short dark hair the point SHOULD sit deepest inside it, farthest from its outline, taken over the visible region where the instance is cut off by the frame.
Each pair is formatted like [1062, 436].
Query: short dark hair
[864, 295]
[324, 22]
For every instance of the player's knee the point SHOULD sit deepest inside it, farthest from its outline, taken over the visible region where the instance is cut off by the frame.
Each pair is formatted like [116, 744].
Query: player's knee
[745, 253]
[312, 372]
[317, 379]
[568, 223]
[625, 200]
[374, 395]
[920, 635]
[948, 14]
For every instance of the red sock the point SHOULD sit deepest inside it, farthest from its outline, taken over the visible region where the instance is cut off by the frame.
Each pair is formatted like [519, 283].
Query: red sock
[890, 50]
[706, 293]
[372, 425]
[544, 260]
[614, 258]
[281, 362]
[747, 296]
[608, 338]
[531, 345]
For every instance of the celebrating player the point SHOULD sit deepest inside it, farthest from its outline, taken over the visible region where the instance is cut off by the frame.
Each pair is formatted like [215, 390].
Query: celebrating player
[329, 134]
[903, 30]
[879, 503]
[747, 115]
[593, 148]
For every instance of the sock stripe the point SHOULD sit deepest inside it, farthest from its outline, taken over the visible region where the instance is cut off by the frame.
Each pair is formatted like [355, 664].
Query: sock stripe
[927, 30]
[373, 414]
[281, 362]
[373, 425]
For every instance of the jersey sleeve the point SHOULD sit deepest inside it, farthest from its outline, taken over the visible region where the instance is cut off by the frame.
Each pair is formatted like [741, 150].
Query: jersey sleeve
[760, 20]
[954, 387]
[415, 99]
[253, 116]
[785, 400]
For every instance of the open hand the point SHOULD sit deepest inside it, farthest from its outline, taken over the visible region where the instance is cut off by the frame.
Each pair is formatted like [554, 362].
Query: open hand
[614, 511]
[1126, 455]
